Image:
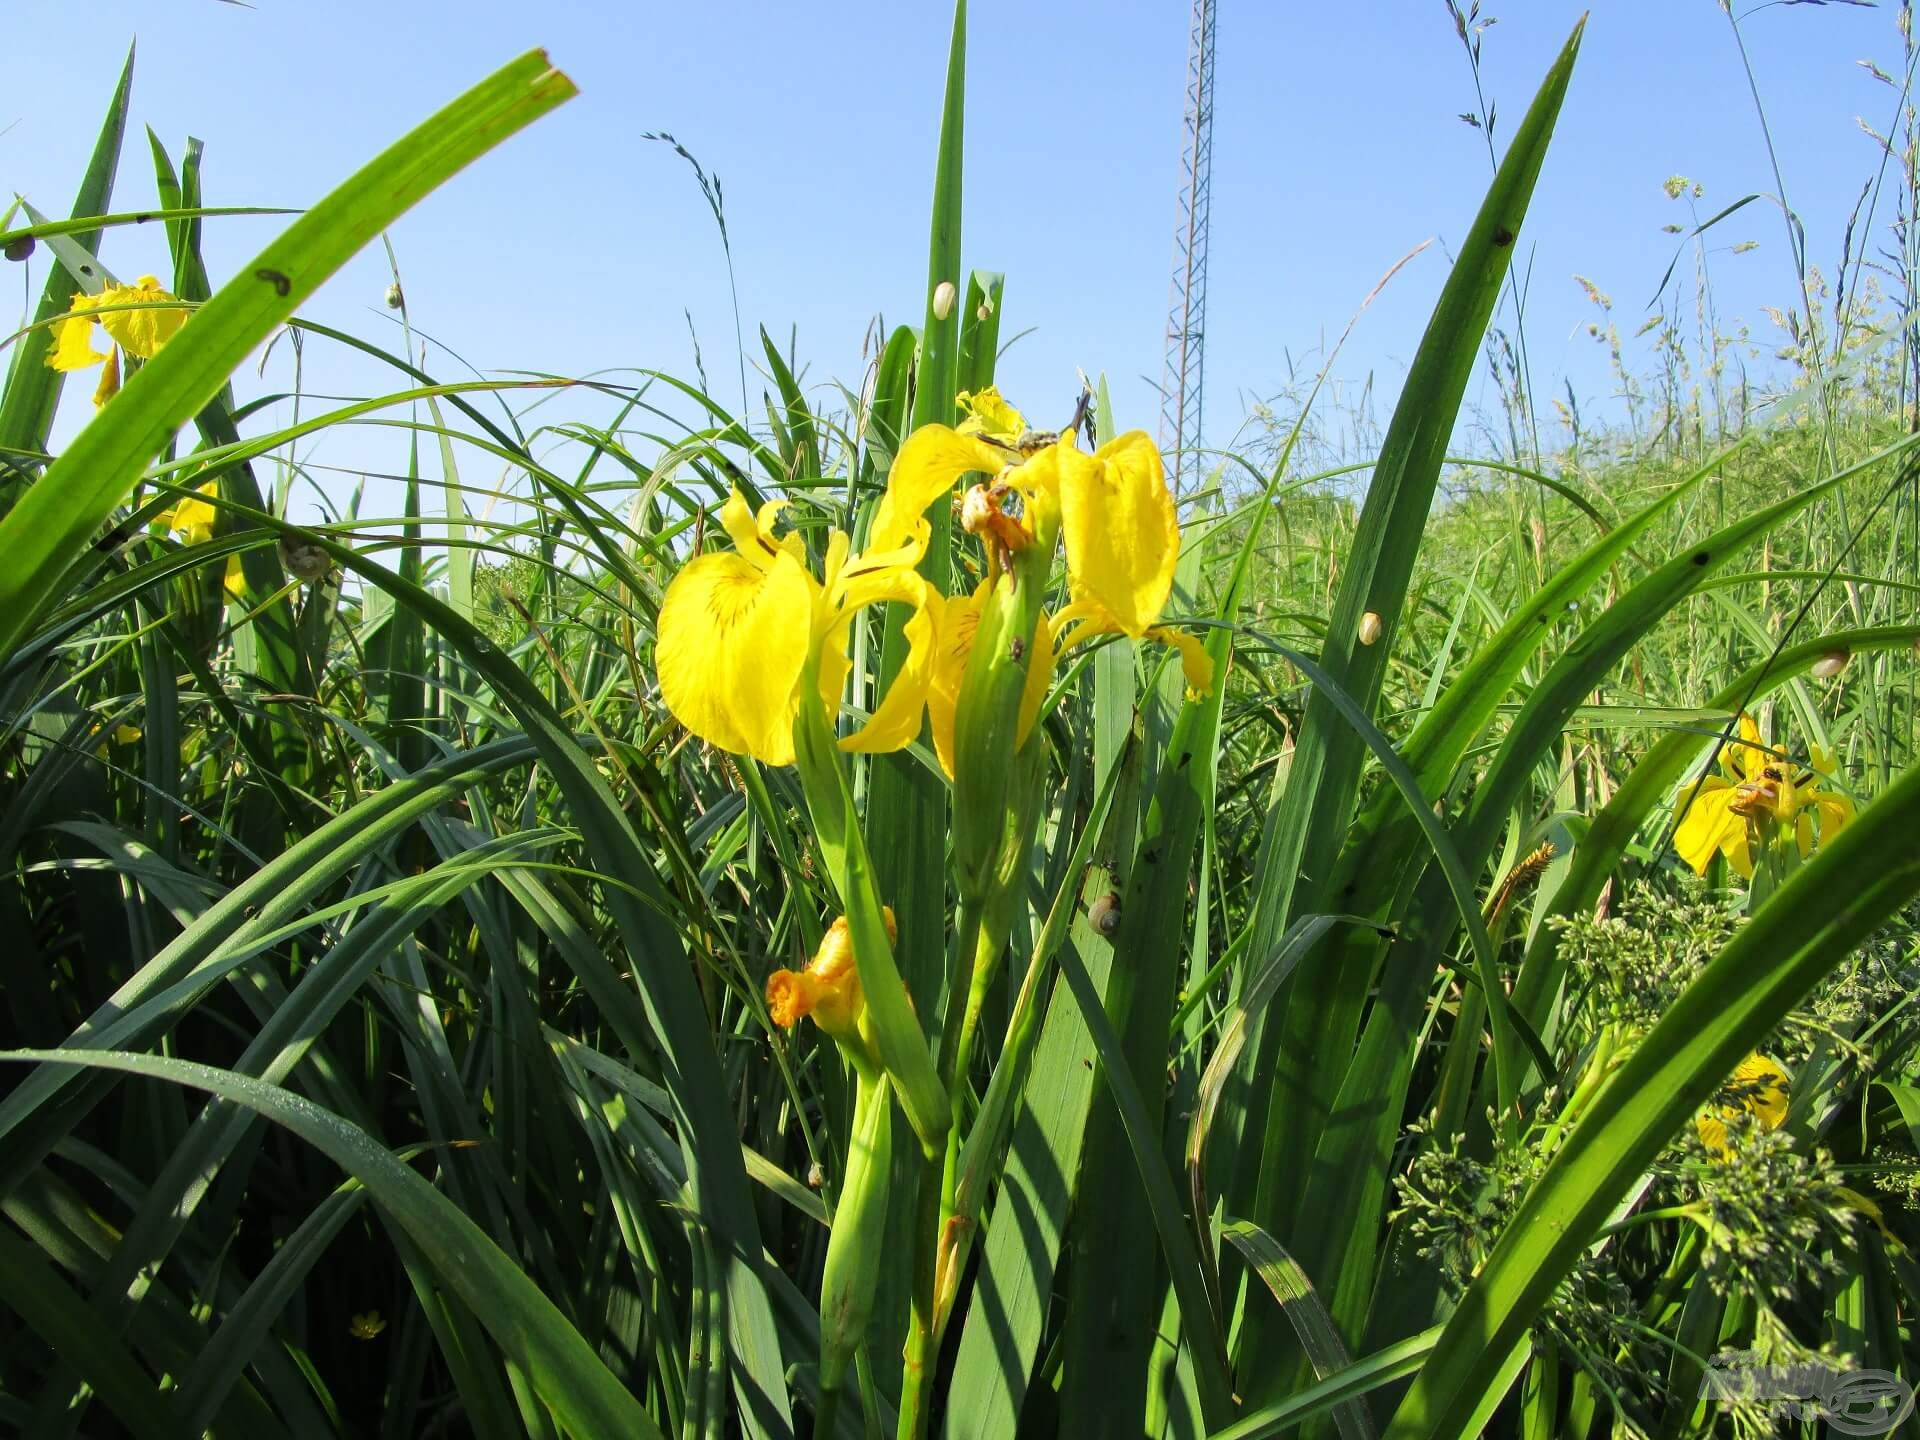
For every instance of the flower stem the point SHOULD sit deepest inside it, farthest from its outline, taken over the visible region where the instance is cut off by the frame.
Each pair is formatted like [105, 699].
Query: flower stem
[916, 1378]
[990, 939]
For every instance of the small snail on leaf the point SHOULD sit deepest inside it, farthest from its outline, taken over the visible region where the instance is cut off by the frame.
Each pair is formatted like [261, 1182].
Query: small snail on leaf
[1104, 915]
[304, 560]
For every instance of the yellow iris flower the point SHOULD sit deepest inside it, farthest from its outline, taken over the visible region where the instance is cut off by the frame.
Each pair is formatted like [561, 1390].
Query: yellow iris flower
[1757, 1087]
[741, 630]
[1116, 518]
[191, 518]
[138, 318]
[1760, 788]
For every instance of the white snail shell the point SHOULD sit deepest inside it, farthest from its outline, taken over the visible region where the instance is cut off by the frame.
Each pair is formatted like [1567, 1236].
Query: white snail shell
[943, 296]
[1370, 628]
[304, 561]
[1831, 664]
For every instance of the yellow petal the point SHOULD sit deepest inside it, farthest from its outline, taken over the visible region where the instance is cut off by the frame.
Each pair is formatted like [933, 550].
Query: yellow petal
[752, 533]
[1194, 659]
[72, 347]
[1121, 534]
[1836, 813]
[1039, 681]
[731, 643]
[927, 467]
[989, 414]
[1710, 825]
[959, 620]
[235, 583]
[153, 317]
[1763, 1086]
[895, 722]
[109, 385]
[1757, 1087]
[191, 518]
[1744, 758]
[896, 719]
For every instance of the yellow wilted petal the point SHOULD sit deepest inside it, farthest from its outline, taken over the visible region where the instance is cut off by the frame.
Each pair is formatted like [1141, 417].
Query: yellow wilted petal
[927, 467]
[72, 347]
[1121, 534]
[731, 643]
[1711, 826]
[154, 316]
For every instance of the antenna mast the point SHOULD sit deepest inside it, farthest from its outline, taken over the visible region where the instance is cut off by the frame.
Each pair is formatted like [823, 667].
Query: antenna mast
[1185, 369]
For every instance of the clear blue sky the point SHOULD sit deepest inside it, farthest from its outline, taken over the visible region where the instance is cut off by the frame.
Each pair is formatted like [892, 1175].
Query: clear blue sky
[577, 246]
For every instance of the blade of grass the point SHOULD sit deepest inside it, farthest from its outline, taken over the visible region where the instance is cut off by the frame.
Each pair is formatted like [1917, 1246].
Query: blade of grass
[1306, 826]
[33, 388]
[568, 1377]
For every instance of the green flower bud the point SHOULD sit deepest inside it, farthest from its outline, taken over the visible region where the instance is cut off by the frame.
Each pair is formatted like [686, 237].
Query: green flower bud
[858, 1240]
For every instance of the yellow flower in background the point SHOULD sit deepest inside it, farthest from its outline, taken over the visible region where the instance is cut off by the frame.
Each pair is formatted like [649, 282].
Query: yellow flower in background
[139, 319]
[121, 734]
[828, 989]
[740, 630]
[1760, 789]
[191, 518]
[365, 1327]
[1757, 1087]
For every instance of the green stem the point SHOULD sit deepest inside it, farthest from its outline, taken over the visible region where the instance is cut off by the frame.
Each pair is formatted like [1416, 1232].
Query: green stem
[826, 1414]
[990, 941]
[916, 1377]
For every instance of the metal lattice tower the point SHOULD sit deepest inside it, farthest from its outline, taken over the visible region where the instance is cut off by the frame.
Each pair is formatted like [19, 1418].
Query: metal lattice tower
[1181, 379]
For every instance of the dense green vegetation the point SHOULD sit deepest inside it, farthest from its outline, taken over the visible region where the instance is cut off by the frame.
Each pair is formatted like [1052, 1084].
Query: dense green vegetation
[1407, 999]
